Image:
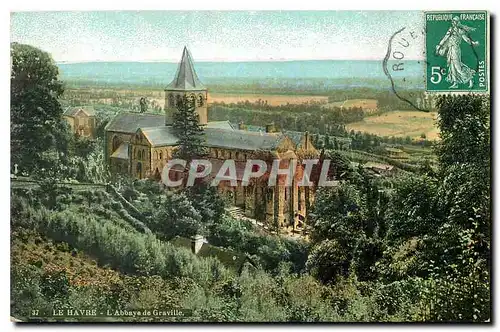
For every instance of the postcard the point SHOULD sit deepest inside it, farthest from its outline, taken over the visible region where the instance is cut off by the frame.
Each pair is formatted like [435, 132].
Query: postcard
[250, 166]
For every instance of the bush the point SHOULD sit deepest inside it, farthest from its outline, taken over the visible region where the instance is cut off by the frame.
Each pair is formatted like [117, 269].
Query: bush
[328, 261]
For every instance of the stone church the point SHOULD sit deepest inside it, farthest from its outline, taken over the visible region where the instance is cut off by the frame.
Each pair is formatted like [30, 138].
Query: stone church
[140, 144]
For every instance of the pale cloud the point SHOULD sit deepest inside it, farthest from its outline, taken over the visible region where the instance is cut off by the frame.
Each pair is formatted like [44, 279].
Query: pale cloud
[227, 36]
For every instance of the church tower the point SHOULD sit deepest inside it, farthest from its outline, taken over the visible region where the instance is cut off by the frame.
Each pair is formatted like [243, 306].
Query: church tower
[186, 83]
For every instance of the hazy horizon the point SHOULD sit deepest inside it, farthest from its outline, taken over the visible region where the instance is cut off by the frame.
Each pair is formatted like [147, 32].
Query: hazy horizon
[223, 61]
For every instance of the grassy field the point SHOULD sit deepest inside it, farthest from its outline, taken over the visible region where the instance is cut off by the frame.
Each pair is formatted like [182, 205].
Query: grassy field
[106, 96]
[272, 99]
[399, 124]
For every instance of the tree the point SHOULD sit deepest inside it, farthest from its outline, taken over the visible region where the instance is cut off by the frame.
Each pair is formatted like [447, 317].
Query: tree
[450, 214]
[143, 102]
[187, 128]
[315, 140]
[327, 261]
[413, 210]
[465, 165]
[177, 216]
[340, 166]
[365, 255]
[37, 126]
[207, 201]
[464, 123]
[337, 215]
[335, 143]
[327, 144]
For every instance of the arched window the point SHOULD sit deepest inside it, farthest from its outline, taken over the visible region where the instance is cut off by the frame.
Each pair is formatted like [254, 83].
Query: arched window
[139, 170]
[201, 100]
[178, 100]
[171, 101]
[161, 155]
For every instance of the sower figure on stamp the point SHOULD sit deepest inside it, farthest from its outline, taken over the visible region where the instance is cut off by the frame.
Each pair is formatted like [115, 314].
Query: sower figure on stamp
[449, 46]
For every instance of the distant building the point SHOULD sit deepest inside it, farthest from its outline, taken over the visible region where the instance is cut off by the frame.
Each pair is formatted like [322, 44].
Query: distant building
[379, 169]
[395, 153]
[199, 246]
[140, 144]
[82, 120]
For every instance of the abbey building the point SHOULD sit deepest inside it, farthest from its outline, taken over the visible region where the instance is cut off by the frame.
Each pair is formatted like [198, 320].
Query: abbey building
[140, 144]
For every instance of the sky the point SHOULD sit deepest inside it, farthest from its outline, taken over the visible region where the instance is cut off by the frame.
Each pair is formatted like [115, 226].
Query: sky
[213, 35]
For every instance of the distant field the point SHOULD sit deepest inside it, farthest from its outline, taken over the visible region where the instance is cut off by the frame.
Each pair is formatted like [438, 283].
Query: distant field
[106, 96]
[272, 99]
[399, 124]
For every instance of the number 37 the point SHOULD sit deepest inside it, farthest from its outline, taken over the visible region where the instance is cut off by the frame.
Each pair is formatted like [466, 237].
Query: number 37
[437, 74]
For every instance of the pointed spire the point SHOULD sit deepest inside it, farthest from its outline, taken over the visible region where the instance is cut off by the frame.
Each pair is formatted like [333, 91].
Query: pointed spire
[186, 78]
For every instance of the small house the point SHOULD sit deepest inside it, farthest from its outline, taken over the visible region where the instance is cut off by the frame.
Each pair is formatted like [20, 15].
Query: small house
[82, 120]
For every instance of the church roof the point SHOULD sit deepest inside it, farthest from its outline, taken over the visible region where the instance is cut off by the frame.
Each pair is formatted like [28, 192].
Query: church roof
[242, 140]
[160, 136]
[295, 136]
[221, 125]
[164, 135]
[217, 137]
[72, 111]
[186, 78]
[219, 134]
[129, 122]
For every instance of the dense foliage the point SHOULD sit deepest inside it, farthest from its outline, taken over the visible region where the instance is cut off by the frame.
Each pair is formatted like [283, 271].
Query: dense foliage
[51, 269]
[37, 128]
[428, 233]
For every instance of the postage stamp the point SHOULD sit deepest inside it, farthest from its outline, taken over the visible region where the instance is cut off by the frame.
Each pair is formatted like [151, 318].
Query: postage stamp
[456, 51]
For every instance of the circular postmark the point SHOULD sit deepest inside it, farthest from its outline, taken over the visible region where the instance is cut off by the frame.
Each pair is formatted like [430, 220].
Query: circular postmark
[407, 77]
